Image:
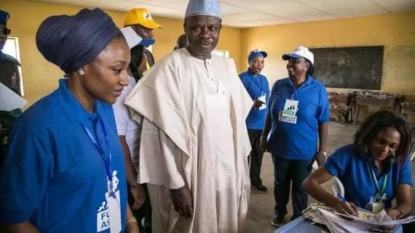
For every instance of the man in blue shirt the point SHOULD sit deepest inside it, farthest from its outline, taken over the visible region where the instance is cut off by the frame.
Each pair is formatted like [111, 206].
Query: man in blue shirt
[258, 88]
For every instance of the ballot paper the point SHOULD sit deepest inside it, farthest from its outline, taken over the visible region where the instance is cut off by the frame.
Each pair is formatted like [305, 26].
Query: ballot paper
[9, 100]
[379, 219]
[345, 223]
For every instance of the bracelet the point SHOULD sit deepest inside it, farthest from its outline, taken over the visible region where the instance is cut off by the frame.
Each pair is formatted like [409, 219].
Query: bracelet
[131, 220]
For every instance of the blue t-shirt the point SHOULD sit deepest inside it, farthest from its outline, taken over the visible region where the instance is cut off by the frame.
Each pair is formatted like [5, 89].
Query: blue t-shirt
[354, 171]
[256, 87]
[53, 175]
[297, 141]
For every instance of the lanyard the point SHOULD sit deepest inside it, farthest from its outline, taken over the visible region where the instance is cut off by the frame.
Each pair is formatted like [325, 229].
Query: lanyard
[375, 180]
[107, 162]
[293, 91]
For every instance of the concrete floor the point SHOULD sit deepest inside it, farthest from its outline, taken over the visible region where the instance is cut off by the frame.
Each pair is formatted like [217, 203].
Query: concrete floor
[261, 206]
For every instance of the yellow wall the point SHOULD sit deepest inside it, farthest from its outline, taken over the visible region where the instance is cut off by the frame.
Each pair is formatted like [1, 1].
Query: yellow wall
[395, 31]
[40, 77]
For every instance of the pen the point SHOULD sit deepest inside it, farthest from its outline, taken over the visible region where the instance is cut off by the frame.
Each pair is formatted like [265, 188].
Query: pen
[343, 200]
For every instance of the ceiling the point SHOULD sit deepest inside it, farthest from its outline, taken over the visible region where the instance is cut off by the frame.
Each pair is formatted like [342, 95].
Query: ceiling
[250, 13]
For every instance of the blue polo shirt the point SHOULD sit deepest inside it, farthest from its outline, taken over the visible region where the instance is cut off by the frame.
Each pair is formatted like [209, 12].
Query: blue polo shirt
[297, 141]
[256, 87]
[53, 175]
[355, 173]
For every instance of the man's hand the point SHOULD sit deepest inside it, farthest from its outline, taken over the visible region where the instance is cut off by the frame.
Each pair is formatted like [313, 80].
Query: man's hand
[139, 196]
[182, 201]
[258, 103]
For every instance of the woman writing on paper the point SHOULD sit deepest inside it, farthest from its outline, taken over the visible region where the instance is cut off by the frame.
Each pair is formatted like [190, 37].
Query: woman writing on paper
[374, 169]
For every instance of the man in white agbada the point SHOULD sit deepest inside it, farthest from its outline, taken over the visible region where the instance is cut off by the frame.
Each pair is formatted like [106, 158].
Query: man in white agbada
[194, 142]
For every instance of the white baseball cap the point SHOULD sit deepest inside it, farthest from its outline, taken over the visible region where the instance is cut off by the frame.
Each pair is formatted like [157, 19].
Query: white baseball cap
[300, 51]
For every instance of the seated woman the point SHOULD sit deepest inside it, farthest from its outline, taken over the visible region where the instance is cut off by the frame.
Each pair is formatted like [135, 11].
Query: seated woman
[374, 169]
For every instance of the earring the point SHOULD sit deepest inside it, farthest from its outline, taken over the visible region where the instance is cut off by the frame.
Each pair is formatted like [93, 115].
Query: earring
[81, 72]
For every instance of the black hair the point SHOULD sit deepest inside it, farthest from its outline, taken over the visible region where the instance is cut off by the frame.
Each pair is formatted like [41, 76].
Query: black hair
[136, 59]
[310, 70]
[379, 121]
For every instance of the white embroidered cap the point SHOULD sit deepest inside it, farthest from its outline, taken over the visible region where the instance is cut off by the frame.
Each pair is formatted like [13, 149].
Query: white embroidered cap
[203, 7]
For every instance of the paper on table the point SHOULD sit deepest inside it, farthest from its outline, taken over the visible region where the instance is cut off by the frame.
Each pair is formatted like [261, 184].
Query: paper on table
[379, 219]
[356, 225]
[10, 100]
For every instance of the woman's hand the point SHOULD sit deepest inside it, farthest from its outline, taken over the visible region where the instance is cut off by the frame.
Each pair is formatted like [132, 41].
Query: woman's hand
[182, 201]
[258, 103]
[346, 208]
[132, 228]
[320, 158]
[394, 213]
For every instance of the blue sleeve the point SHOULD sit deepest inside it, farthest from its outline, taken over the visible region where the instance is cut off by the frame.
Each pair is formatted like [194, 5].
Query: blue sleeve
[337, 162]
[405, 173]
[323, 111]
[250, 87]
[272, 94]
[24, 176]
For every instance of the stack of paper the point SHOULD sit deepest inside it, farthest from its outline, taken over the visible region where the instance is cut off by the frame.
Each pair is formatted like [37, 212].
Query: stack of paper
[344, 223]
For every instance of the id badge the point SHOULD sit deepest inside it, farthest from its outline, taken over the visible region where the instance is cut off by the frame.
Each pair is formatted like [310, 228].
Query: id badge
[291, 120]
[290, 108]
[115, 213]
[264, 100]
[377, 207]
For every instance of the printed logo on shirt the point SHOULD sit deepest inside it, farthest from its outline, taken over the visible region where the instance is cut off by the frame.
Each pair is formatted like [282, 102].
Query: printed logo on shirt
[109, 213]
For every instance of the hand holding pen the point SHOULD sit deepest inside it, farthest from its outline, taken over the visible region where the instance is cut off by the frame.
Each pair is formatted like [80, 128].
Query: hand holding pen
[345, 207]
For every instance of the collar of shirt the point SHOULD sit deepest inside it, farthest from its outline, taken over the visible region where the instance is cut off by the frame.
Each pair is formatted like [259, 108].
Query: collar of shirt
[389, 162]
[71, 106]
[309, 80]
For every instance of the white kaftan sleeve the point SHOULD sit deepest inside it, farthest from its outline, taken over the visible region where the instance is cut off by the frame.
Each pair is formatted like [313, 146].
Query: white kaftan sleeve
[159, 158]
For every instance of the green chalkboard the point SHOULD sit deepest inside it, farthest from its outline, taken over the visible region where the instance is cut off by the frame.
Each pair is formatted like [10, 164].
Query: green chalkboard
[349, 67]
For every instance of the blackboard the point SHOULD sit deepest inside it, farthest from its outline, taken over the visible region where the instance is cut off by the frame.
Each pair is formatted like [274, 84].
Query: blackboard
[349, 67]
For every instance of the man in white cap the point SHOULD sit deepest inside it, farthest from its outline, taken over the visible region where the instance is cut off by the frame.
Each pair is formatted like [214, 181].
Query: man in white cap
[194, 141]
